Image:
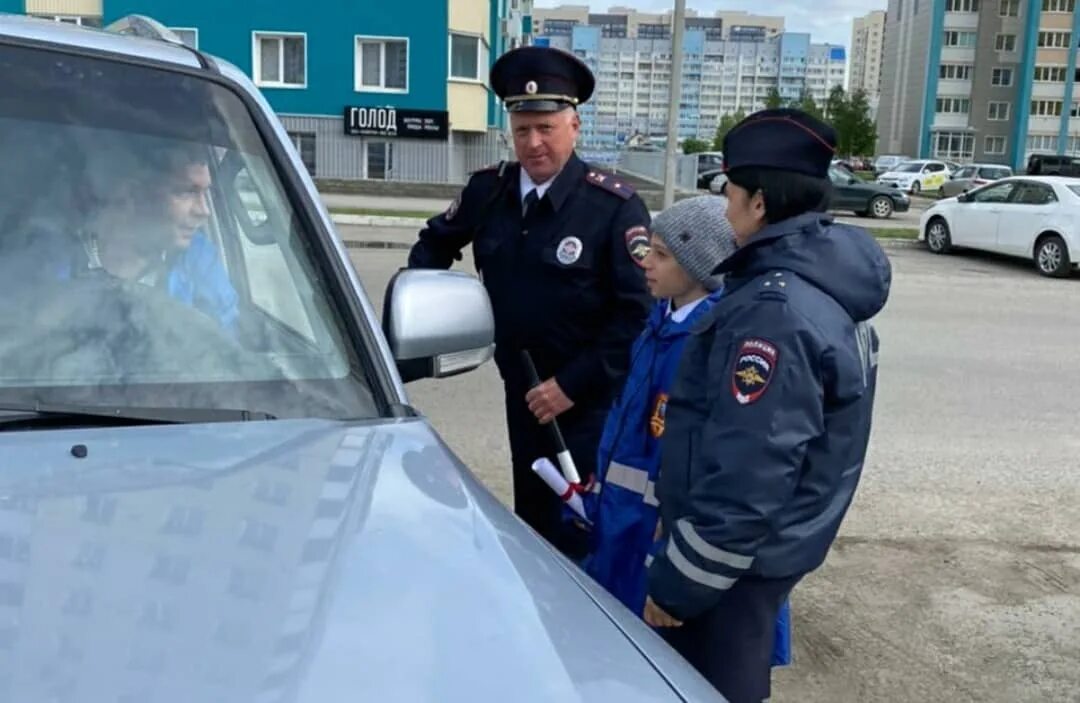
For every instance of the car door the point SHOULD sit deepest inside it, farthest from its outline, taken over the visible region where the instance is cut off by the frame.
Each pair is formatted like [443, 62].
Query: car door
[975, 221]
[1026, 214]
[959, 182]
[844, 195]
[933, 175]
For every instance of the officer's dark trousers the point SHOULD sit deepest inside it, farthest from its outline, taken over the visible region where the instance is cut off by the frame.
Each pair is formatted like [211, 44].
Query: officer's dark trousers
[534, 502]
[732, 644]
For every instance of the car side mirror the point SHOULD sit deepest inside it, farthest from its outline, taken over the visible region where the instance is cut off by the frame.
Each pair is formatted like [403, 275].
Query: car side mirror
[437, 323]
[852, 180]
[963, 197]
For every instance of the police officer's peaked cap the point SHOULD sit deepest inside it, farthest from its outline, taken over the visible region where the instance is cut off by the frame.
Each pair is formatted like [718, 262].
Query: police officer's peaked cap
[541, 79]
[784, 139]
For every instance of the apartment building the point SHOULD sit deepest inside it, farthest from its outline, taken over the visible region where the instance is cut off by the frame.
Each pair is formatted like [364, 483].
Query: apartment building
[628, 23]
[867, 49]
[985, 80]
[632, 60]
[379, 91]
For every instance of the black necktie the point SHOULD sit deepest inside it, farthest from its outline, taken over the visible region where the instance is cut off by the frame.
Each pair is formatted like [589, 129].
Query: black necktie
[530, 199]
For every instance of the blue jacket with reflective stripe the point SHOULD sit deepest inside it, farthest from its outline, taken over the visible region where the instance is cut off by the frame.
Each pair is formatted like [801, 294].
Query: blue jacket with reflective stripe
[624, 512]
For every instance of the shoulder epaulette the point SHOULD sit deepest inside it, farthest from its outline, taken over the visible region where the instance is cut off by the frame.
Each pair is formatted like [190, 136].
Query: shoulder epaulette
[610, 183]
[492, 168]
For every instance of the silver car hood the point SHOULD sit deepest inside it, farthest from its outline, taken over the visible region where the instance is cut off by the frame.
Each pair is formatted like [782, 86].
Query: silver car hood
[301, 561]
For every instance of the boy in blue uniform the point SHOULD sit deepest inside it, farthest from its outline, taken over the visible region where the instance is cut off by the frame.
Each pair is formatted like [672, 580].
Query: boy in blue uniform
[687, 241]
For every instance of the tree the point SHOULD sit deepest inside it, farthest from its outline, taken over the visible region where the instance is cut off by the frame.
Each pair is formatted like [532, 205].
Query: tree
[694, 146]
[862, 137]
[836, 102]
[726, 123]
[806, 103]
[773, 99]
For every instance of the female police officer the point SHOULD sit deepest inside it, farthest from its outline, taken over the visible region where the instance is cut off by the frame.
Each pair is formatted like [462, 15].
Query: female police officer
[769, 414]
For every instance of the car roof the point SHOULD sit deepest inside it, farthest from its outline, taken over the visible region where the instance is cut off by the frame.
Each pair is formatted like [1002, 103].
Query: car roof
[76, 37]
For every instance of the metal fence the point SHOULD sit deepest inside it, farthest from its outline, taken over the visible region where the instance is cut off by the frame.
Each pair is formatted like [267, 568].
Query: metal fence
[652, 166]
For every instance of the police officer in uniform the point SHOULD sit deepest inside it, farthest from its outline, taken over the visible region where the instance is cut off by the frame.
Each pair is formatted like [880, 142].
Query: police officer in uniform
[769, 415]
[559, 247]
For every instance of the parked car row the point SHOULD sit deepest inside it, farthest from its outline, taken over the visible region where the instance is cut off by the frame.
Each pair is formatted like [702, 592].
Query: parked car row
[1034, 217]
[851, 194]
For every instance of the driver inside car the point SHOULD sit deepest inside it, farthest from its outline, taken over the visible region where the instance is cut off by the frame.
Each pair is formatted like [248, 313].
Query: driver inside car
[145, 225]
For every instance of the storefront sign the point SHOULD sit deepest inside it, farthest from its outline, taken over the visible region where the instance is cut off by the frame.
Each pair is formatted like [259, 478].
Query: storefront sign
[397, 122]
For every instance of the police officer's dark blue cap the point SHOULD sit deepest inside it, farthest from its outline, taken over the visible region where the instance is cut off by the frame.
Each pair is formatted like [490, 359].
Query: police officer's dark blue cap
[541, 79]
[783, 138]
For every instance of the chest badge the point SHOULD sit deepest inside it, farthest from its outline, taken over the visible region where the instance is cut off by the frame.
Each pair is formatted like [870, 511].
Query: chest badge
[656, 422]
[755, 366]
[569, 250]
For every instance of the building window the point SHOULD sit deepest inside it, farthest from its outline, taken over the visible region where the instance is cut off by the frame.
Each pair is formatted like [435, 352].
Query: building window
[305, 145]
[280, 60]
[958, 106]
[966, 40]
[1050, 74]
[994, 146]
[1001, 77]
[955, 146]
[188, 35]
[382, 64]
[1059, 5]
[468, 57]
[997, 111]
[1074, 111]
[955, 71]
[1005, 42]
[1054, 40]
[1042, 142]
[961, 5]
[1009, 8]
[1046, 108]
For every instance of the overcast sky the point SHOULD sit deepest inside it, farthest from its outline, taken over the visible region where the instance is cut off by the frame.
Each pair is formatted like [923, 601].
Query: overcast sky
[826, 20]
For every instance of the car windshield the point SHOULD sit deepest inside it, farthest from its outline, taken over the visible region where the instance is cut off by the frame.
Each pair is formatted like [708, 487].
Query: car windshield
[149, 254]
[910, 167]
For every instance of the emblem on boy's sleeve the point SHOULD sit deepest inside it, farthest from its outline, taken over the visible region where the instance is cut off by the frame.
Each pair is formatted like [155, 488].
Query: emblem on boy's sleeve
[637, 243]
[755, 365]
[656, 422]
[452, 210]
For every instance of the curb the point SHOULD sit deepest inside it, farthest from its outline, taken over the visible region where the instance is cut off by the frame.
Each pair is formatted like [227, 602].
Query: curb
[377, 221]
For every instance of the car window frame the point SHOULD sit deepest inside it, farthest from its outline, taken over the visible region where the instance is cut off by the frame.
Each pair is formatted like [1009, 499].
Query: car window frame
[387, 392]
[1021, 185]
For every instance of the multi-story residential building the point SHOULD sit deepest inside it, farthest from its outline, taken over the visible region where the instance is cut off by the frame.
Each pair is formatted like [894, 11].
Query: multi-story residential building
[632, 60]
[989, 80]
[628, 23]
[867, 49]
[368, 90]
[719, 78]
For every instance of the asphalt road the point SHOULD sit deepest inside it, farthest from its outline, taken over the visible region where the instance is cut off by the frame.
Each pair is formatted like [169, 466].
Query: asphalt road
[909, 219]
[957, 573]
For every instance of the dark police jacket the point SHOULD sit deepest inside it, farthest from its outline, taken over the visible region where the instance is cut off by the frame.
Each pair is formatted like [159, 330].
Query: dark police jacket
[563, 280]
[769, 415]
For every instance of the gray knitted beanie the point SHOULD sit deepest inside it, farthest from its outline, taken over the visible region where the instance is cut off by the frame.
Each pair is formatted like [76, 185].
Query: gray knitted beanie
[698, 233]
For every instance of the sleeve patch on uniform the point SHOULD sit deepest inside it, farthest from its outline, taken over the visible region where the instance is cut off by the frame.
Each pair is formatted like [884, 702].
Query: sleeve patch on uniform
[637, 243]
[755, 366]
[452, 210]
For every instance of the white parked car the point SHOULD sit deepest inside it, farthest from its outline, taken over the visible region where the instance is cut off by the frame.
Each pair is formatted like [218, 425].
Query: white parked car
[916, 176]
[1036, 217]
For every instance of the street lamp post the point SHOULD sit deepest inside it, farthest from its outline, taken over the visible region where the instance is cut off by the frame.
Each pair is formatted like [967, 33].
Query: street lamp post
[674, 97]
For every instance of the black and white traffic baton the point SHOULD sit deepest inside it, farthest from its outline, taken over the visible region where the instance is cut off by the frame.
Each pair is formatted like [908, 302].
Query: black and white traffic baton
[566, 461]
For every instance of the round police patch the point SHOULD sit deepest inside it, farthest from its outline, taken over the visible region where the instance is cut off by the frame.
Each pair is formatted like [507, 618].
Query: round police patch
[637, 243]
[755, 366]
[569, 251]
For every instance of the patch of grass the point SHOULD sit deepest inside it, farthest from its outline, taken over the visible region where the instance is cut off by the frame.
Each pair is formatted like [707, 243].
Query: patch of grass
[893, 232]
[381, 212]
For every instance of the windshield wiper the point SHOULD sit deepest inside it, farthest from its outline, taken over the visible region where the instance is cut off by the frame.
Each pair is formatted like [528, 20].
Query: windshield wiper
[45, 414]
